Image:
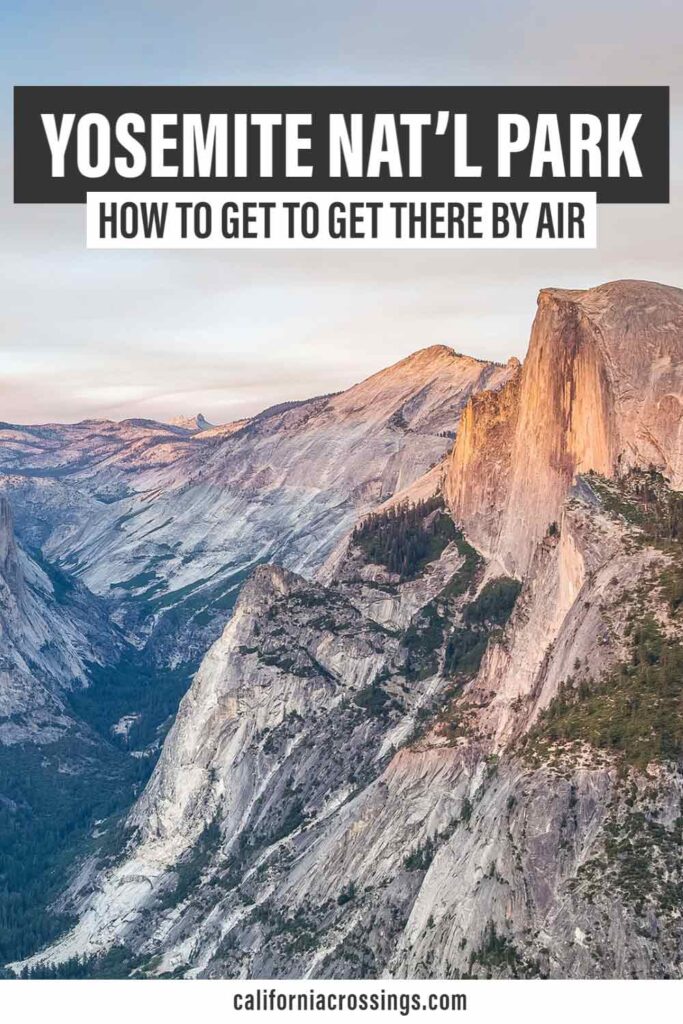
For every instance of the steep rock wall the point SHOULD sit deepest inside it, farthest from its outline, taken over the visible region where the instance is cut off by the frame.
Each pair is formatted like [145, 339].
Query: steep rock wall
[601, 388]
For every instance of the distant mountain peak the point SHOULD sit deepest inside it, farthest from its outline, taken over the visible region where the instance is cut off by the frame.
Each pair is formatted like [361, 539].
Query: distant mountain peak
[198, 422]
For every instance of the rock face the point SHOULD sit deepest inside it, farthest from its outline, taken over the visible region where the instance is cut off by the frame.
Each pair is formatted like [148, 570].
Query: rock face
[418, 766]
[10, 569]
[601, 388]
[49, 635]
[290, 831]
[477, 479]
[290, 676]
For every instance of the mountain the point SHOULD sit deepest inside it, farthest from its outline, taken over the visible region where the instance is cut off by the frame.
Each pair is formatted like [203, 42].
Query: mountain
[133, 541]
[600, 390]
[198, 422]
[165, 525]
[458, 752]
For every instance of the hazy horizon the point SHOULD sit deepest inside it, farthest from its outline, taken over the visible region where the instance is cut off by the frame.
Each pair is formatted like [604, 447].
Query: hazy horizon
[96, 334]
[191, 414]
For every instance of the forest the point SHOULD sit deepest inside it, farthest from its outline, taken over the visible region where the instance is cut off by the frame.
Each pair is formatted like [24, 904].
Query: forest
[406, 537]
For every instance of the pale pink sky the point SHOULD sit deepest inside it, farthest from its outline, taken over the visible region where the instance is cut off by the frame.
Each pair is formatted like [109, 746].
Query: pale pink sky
[161, 333]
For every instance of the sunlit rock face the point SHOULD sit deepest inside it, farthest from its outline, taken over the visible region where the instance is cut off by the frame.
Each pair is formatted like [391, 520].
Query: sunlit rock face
[601, 388]
[478, 474]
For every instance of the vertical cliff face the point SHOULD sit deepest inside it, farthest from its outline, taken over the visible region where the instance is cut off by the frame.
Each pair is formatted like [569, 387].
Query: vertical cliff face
[601, 388]
[564, 425]
[10, 569]
[477, 480]
[48, 638]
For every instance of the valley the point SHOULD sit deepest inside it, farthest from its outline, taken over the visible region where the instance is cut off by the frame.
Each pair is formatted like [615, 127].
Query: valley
[150, 529]
[382, 684]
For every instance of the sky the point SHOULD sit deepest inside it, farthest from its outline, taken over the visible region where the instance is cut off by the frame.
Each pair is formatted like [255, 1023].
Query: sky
[161, 334]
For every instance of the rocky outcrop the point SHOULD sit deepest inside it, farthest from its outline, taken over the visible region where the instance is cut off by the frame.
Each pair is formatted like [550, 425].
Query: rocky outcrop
[601, 388]
[288, 832]
[282, 725]
[10, 569]
[565, 614]
[192, 423]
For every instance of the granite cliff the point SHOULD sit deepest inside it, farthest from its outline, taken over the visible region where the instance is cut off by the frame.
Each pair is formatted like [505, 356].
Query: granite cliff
[600, 390]
[456, 752]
